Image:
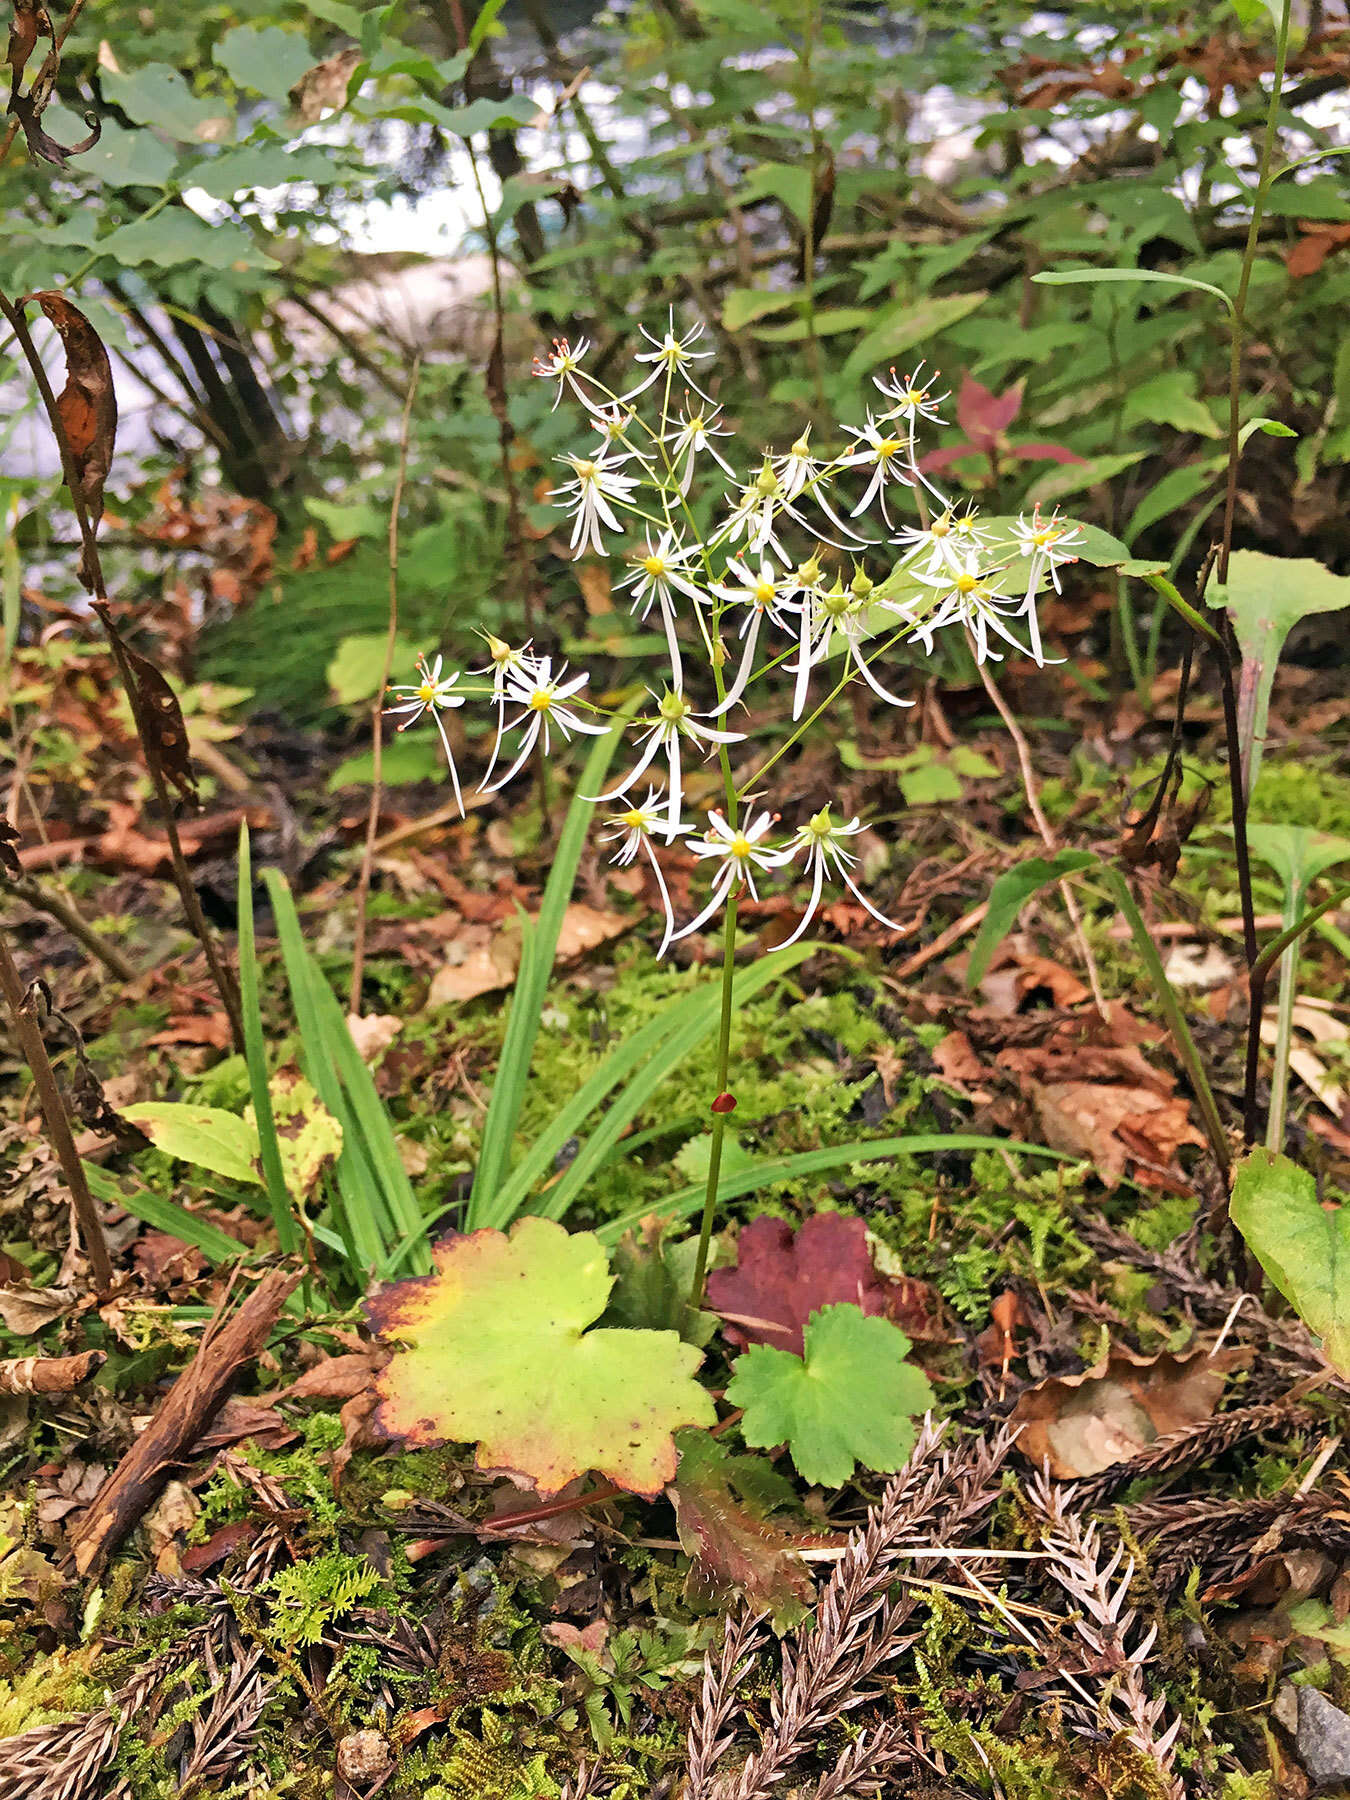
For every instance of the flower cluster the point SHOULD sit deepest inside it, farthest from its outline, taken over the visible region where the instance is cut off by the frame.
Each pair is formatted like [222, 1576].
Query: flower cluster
[775, 560]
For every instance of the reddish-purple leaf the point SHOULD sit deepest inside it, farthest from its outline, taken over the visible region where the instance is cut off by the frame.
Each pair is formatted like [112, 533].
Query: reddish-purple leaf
[943, 459]
[782, 1277]
[982, 414]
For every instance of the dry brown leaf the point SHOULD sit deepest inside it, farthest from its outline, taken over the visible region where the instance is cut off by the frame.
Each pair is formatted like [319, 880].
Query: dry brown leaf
[1082, 1424]
[482, 960]
[86, 405]
[373, 1033]
[1087, 1118]
[324, 87]
[26, 1309]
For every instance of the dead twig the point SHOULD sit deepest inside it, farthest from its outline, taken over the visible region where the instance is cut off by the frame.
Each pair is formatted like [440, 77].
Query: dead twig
[232, 1340]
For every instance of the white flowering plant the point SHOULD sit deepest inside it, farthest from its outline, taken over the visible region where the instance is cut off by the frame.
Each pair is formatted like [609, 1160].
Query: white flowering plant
[821, 568]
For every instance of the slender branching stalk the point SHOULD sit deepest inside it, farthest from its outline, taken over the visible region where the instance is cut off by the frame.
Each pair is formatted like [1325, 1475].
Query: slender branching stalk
[27, 1029]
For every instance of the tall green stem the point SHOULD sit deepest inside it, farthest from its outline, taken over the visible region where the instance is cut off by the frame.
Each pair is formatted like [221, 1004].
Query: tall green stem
[719, 1124]
[1263, 181]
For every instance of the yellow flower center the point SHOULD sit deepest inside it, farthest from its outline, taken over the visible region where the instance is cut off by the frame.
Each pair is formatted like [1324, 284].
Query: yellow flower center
[426, 693]
[635, 820]
[654, 565]
[741, 845]
[586, 471]
[541, 699]
[966, 584]
[1042, 538]
[940, 528]
[764, 591]
[887, 448]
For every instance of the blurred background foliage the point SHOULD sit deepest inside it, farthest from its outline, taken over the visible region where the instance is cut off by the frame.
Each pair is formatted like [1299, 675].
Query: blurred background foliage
[289, 206]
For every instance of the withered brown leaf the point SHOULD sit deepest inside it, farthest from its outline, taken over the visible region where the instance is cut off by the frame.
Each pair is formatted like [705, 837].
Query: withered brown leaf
[86, 405]
[159, 717]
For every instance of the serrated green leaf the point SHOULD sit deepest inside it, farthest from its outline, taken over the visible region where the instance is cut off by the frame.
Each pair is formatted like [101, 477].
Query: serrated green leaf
[265, 59]
[499, 1355]
[907, 326]
[158, 95]
[125, 158]
[1303, 1248]
[260, 166]
[850, 1399]
[178, 236]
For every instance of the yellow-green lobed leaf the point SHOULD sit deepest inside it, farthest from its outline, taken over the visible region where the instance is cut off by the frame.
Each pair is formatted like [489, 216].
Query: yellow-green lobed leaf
[498, 1354]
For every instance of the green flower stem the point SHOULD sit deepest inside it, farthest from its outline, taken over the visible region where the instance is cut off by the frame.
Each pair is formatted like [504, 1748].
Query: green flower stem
[719, 1125]
[1239, 307]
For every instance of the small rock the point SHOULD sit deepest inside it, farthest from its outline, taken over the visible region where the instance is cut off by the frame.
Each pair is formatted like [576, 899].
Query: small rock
[363, 1756]
[1323, 1741]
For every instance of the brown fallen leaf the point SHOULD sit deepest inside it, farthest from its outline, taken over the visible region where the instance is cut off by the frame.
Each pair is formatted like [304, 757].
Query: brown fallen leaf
[1082, 1424]
[1109, 1124]
[26, 1309]
[482, 960]
[373, 1033]
[324, 87]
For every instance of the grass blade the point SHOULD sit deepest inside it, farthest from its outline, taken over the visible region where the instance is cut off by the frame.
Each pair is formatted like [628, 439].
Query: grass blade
[536, 968]
[216, 1246]
[767, 1171]
[639, 1091]
[255, 1055]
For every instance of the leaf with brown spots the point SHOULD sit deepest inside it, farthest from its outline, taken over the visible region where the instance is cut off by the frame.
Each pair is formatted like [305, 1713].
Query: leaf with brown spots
[159, 717]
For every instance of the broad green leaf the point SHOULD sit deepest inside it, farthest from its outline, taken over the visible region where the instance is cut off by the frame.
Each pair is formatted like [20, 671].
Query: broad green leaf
[354, 672]
[1322, 198]
[352, 519]
[1074, 477]
[1270, 427]
[1303, 1248]
[1170, 399]
[850, 1399]
[1010, 894]
[488, 115]
[499, 1355]
[1266, 596]
[159, 96]
[907, 326]
[266, 59]
[125, 158]
[210, 1138]
[404, 760]
[788, 182]
[1091, 277]
[1174, 490]
[1297, 855]
[744, 305]
[652, 1280]
[830, 321]
[178, 236]
[260, 166]
[206, 1136]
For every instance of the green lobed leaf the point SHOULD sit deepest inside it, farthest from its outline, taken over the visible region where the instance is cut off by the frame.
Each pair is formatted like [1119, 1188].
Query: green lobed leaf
[178, 236]
[207, 1136]
[850, 1399]
[499, 1355]
[1303, 1248]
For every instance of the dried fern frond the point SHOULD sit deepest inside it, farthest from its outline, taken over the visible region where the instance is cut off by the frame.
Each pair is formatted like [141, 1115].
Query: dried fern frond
[1110, 1628]
[827, 1667]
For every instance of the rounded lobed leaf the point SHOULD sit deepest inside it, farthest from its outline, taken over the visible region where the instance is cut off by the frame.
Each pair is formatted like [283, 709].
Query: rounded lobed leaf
[498, 1354]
